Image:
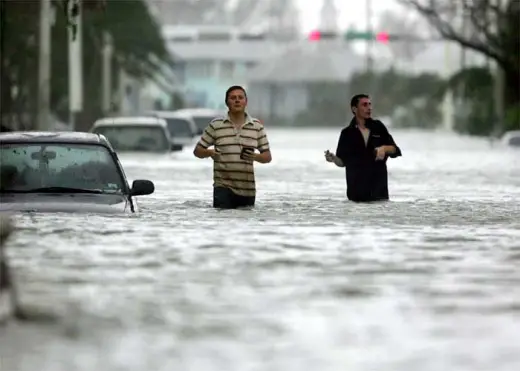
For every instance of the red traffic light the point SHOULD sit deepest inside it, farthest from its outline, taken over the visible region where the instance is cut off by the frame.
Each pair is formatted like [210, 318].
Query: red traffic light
[383, 37]
[315, 35]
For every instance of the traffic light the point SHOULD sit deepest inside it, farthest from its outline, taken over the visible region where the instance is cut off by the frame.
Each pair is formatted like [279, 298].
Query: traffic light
[318, 35]
[351, 35]
[383, 37]
[315, 35]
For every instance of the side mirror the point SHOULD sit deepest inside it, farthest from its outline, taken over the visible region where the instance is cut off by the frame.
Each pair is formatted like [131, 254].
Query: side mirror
[176, 147]
[141, 187]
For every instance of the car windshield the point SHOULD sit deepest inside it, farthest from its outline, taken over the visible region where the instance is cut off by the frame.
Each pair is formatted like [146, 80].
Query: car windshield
[26, 167]
[179, 127]
[203, 121]
[127, 138]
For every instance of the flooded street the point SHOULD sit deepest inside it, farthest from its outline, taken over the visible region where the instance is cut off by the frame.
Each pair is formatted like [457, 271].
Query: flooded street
[427, 282]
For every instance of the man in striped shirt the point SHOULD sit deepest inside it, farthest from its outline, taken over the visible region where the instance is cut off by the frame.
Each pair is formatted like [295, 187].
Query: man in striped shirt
[235, 138]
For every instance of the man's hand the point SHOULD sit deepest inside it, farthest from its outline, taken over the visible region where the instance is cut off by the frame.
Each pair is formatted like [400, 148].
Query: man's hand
[329, 156]
[380, 153]
[262, 158]
[203, 152]
[249, 156]
[214, 154]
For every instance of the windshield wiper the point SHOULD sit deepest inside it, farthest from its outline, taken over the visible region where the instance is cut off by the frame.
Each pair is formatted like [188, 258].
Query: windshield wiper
[54, 190]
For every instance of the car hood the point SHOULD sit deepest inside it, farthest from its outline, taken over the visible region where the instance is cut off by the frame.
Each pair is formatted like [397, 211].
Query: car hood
[64, 202]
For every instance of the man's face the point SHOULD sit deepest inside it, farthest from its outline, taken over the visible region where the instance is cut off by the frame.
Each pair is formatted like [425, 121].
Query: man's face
[236, 101]
[363, 109]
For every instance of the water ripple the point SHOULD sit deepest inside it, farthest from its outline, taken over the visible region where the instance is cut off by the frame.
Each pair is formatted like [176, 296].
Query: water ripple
[306, 280]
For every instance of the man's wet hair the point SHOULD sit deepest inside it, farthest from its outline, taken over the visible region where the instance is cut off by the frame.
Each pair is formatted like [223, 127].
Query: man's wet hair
[235, 87]
[355, 100]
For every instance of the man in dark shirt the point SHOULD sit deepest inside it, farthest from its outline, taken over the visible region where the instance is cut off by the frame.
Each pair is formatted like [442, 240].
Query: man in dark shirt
[363, 148]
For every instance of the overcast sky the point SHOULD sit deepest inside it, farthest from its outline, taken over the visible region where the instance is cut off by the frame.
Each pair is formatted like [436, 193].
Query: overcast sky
[350, 12]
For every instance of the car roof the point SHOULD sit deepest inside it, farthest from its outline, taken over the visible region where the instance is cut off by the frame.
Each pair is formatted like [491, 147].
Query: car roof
[53, 137]
[131, 120]
[511, 134]
[200, 112]
[171, 114]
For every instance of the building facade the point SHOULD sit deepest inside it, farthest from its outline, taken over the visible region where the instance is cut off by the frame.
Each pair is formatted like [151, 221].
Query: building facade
[209, 59]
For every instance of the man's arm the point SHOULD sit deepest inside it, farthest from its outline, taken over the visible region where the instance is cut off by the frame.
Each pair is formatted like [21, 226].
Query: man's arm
[342, 153]
[264, 157]
[207, 139]
[337, 161]
[390, 148]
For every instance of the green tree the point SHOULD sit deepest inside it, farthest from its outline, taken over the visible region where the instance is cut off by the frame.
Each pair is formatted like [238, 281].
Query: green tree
[472, 88]
[488, 27]
[423, 94]
[413, 100]
[138, 47]
[512, 119]
[327, 105]
[18, 58]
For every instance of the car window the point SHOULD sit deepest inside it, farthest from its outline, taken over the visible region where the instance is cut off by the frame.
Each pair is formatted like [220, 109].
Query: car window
[179, 127]
[146, 138]
[27, 166]
[203, 121]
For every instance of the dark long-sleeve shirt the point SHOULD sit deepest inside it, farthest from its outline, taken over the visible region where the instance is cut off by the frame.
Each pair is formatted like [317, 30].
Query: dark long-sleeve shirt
[367, 179]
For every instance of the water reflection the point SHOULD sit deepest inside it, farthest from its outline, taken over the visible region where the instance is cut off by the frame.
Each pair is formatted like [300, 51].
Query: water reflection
[306, 280]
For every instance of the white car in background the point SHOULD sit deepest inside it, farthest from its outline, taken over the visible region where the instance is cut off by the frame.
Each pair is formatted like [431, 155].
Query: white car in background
[201, 116]
[136, 134]
[182, 128]
[511, 138]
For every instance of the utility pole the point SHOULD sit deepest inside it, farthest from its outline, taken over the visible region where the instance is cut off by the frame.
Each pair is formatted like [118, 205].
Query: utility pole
[106, 78]
[462, 66]
[75, 67]
[44, 67]
[369, 64]
[499, 87]
[448, 109]
[122, 89]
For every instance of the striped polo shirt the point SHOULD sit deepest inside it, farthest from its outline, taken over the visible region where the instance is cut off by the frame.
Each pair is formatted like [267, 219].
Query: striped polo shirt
[230, 171]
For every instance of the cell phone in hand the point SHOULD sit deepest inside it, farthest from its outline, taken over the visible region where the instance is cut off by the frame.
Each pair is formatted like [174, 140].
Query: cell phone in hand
[248, 150]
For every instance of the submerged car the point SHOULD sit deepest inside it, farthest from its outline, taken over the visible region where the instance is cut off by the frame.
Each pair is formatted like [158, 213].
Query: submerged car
[136, 134]
[183, 129]
[64, 172]
[201, 116]
[511, 138]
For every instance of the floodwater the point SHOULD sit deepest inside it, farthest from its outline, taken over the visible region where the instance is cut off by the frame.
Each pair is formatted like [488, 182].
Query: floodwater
[305, 281]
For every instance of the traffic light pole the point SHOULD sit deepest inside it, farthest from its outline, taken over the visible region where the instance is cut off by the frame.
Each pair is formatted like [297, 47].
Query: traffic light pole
[369, 63]
[75, 66]
[44, 66]
[369, 45]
